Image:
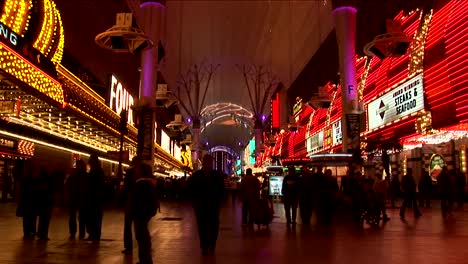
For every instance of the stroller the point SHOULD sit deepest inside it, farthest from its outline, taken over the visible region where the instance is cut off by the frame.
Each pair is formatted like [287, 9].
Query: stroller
[264, 212]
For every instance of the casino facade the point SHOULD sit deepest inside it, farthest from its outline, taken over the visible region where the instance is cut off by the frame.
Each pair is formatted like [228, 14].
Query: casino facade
[414, 106]
[48, 116]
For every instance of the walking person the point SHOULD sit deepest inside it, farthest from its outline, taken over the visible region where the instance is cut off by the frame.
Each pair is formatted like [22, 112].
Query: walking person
[460, 182]
[27, 203]
[425, 189]
[327, 196]
[447, 192]
[408, 186]
[77, 190]
[206, 187]
[394, 190]
[249, 194]
[129, 183]
[96, 180]
[306, 195]
[380, 190]
[144, 206]
[234, 186]
[290, 191]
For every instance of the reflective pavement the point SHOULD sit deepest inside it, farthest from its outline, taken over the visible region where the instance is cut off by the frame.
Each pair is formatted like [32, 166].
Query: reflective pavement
[427, 240]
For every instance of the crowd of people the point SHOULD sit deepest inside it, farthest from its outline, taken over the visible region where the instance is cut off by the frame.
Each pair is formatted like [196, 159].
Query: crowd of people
[312, 191]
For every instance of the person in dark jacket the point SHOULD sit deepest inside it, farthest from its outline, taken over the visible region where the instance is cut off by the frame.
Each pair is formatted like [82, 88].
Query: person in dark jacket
[143, 208]
[425, 189]
[306, 195]
[249, 194]
[96, 180]
[408, 186]
[460, 182]
[76, 187]
[129, 183]
[206, 187]
[37, 202]
[446, 185]
[27, 206]
[327, 195]
[290, 191]
[394, 190]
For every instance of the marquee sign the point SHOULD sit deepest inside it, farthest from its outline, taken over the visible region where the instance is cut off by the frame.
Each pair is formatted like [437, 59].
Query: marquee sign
[337, 133]
[120, 99]
[402, 101]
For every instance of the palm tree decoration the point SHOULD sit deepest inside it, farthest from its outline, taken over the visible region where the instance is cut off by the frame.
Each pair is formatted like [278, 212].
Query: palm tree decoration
[261, 83]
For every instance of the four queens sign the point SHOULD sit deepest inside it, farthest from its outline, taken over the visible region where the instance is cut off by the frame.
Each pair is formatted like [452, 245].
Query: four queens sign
[402, 101]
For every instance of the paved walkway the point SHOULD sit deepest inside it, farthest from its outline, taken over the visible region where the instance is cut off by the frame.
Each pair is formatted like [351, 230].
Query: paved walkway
[427, 240]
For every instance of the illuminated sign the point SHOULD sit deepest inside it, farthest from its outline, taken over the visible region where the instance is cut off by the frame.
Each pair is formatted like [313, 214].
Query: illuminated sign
[315, 142]
[402, 101]
[176, 153]
[437, 164]
[297, 108]
[8, 35]
[276, 185]
[186, 157]
[7, 143]
[120, 99]
[252, 152]
[165, 142]
[337, 133]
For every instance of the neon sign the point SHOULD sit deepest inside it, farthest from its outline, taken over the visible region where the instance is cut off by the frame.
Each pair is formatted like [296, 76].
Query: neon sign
[399, 102]
[8, 35]
[120, 99]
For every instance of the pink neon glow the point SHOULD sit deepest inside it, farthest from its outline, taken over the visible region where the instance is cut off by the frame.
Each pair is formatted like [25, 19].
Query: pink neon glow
[152, 3]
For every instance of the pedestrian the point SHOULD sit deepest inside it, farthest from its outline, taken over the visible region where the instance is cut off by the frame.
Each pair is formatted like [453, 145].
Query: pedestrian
[144, 206]
[206, 187]
[306, 195]
[394, 190]
[408, 186]
[380, 191]
[76, 188]
[327, 195]
[290, 191]
[27, 203]
[129, 183]
[447, 191]
[249, 194]
[234, 186]
[96, 180]
[460, 184]
[425, 189]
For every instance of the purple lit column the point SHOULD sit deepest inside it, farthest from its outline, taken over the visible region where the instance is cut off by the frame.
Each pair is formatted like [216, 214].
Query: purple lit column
[345, 26]
[151, 15]
[196, 142]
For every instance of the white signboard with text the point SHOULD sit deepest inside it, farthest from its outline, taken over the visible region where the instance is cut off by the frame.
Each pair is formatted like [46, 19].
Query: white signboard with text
[337, 133]
[315, 142]
[120, 99]
[402, 101]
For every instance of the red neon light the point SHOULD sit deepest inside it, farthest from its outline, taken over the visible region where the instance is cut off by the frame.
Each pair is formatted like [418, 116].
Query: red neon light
[275, 111]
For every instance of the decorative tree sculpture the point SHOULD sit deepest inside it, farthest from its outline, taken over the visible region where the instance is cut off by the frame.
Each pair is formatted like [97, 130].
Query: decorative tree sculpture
[190, 91]
[261, 84]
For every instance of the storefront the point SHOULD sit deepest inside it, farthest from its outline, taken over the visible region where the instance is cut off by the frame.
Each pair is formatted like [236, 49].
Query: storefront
[421, 98]
[47, 111]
